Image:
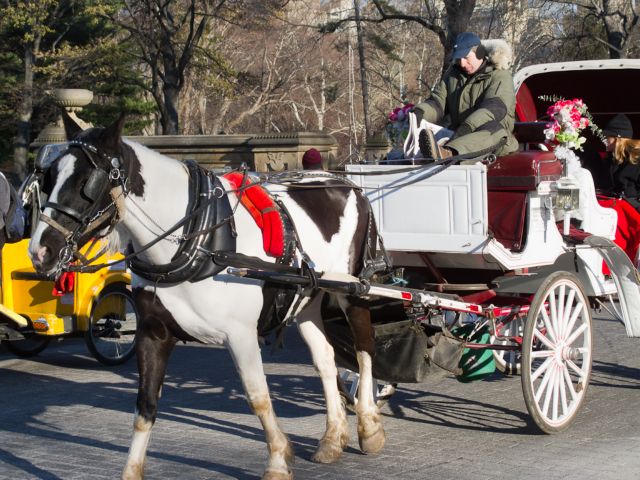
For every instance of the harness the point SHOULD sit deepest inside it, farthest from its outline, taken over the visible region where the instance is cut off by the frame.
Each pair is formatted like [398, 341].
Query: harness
[192, 261]
[97, 185]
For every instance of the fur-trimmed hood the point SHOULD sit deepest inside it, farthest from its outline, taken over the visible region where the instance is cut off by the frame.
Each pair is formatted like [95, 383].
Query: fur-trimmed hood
[499, 53]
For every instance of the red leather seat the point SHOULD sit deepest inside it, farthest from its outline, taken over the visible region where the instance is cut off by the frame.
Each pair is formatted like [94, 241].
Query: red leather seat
[509, 179]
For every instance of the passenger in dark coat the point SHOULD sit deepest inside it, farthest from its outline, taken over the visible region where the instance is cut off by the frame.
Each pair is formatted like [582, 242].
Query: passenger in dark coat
[619, 172]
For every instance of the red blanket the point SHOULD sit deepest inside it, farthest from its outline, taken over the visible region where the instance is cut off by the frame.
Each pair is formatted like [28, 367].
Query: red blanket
[263, 210]
[628, 228]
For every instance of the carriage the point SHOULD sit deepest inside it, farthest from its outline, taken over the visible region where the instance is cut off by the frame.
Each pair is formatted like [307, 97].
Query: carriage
[488, 255]
[36, 308]
[497, 262]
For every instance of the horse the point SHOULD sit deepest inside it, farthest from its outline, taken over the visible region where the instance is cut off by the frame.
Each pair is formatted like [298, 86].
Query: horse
[104, 186]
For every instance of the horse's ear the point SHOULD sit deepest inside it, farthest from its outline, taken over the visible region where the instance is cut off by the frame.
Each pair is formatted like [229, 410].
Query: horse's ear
[111, 135]
[71, 127]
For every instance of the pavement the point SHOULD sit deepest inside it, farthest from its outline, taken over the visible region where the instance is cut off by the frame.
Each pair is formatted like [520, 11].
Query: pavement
[65, 416]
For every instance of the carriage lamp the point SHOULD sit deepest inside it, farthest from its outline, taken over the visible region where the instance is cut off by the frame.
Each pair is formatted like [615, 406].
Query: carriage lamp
[567, 199]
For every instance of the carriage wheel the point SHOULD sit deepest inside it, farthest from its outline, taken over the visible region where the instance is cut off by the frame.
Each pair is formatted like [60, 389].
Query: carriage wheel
[111, 336]
[556, 352]
[509, 361]
[348, 382]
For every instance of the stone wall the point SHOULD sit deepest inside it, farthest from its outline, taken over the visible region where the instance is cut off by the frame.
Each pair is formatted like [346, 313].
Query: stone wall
[261, 152]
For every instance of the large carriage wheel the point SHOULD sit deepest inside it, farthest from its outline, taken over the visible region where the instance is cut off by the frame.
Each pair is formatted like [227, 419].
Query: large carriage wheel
[509, 361]
[556, 352]
[111, 337]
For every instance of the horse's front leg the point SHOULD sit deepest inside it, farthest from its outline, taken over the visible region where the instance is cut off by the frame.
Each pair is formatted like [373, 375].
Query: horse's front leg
[153, 347]
[244, 348]
[371, 434]
[336, 436]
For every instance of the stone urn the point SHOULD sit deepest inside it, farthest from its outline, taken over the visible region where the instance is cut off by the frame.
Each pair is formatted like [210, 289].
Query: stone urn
[72, 99]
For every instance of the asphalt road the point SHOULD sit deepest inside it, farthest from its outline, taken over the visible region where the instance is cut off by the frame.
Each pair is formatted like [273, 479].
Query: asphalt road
[64, 416]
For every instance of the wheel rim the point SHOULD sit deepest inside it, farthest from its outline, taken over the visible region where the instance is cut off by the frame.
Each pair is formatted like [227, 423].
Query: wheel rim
[559, 358]
[113, 326]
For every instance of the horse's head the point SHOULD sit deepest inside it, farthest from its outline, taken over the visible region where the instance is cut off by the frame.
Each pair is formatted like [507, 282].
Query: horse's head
[80, 186]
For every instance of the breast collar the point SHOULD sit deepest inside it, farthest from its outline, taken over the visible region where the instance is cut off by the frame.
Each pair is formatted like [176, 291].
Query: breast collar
[208, 231]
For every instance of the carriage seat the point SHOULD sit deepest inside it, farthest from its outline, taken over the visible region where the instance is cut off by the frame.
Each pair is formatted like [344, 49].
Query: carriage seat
[530, 132]
[523, 170]
[509, 179]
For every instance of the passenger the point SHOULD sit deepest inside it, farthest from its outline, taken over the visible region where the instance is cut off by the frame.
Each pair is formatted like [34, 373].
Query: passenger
[12, 214]
[619, 172]
[477, 96]
[312, 160]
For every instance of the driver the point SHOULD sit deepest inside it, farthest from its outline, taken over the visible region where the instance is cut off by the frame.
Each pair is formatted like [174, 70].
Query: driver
[476, 94]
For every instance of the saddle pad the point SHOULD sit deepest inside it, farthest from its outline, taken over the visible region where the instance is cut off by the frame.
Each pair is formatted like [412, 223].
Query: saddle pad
[264, 211]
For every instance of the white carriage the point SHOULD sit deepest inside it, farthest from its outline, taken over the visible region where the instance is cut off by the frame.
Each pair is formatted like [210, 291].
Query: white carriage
[497, 259]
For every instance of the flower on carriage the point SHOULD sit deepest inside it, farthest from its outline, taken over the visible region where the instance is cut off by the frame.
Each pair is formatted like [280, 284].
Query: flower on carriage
[569, 118]
[398, 124]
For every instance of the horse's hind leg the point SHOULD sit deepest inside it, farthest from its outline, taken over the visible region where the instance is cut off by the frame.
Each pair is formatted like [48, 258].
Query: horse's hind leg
[370, 431]
[337, 433]
[244, 348]
[152, 349]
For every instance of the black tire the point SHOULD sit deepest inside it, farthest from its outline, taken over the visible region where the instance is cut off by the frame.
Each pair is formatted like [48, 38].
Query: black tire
[111, 337]
[31, 346]
[557, 352]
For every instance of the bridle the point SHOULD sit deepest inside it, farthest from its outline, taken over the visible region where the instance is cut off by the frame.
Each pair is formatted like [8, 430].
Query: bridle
[99, 183]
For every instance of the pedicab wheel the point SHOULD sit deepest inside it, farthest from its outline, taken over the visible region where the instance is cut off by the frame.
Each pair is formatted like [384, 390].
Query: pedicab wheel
[348, 382]
[30, 346]
[509, 361]
[111, 337]
[556, 352]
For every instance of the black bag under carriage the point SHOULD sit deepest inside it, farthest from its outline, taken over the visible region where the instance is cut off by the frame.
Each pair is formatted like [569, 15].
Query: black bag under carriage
[405, 351]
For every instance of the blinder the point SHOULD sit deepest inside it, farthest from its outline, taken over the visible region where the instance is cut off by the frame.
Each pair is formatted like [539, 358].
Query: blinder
[96, 185]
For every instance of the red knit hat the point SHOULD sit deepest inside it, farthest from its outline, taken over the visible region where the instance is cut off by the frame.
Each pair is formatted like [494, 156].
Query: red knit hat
[312, 160]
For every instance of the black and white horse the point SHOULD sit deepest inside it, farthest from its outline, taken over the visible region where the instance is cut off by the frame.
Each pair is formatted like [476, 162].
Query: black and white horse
[104, 184]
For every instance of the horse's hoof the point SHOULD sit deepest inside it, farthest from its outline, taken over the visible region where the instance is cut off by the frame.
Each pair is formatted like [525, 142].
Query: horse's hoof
[372, 443]
[271, 475]
[133, 473]
[327, 452]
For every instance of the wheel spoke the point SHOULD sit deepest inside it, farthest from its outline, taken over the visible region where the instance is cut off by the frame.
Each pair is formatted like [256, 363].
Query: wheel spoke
[560, 306]
[543, 384]
[567, 313]
[577, 333]
[556, 387]
[574, 316]
[547, 323]
[563, 391]
[540, 336]
[542, 353]
[550, 389]
[553, 310]
[579, 371]
[541, 369]
[569, 383]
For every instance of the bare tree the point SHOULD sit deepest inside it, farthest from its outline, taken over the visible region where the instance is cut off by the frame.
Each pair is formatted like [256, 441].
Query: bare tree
[612, 23]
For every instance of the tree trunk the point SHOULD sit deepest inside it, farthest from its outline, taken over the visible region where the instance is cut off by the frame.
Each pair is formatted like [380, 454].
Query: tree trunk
[25, 111]
[363, 71]
[170, 117]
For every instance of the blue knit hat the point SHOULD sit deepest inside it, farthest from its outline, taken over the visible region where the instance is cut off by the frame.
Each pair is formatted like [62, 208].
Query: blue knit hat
[464, 43]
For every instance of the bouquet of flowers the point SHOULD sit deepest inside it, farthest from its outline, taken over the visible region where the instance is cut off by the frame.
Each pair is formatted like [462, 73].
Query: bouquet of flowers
[398, 125]
[569, 117]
